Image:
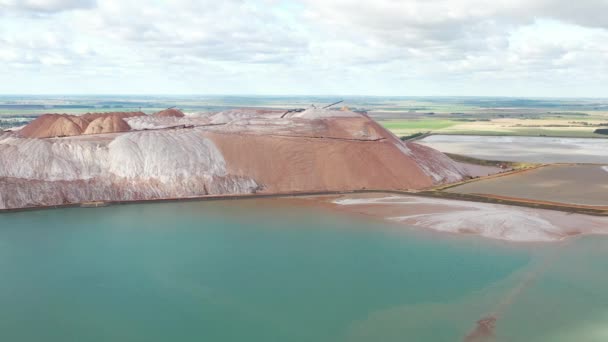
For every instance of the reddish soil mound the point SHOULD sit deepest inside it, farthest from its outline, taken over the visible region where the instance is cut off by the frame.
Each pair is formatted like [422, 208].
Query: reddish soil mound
[92, 116]
[54, 125]
[285, 164]
[172, 112]
[107, 124]
[59, 125]
[327, 154]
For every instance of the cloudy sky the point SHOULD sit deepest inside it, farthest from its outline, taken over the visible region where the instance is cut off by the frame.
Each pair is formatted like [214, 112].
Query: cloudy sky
[380, 47]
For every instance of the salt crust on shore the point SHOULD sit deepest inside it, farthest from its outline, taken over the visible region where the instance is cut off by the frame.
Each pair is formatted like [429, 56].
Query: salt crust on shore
[488, 220]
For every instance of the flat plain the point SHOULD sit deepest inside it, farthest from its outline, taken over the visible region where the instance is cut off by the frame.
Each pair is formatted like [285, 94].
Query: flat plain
[570, 184]
[402, 115]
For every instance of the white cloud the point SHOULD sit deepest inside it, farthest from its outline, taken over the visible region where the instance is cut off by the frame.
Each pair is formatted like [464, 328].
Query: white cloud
[45, 6]
[438, 47]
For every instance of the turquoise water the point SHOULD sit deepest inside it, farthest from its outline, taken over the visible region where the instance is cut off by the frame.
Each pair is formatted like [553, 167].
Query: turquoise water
[265, 271]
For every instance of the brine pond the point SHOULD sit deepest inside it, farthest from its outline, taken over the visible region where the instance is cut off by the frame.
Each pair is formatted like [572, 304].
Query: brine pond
[276, 270]
[523, 149]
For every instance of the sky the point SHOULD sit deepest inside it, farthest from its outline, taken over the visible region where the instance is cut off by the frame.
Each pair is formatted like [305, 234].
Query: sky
[531, 48]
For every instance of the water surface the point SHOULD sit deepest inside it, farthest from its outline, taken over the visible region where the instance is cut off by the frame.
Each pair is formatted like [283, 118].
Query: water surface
[271, 271]
[523, 149]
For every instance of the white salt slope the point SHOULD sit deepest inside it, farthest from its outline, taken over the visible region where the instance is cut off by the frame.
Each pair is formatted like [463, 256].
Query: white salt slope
[155, 122]
[196, 119]
[50, 159]
[136, 166]
[165, 155]
[14, 129]
[228, 116]
[318, 113]
[437, 165]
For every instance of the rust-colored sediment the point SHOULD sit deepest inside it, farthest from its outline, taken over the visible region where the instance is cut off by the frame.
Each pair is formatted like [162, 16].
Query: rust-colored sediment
[484, 330]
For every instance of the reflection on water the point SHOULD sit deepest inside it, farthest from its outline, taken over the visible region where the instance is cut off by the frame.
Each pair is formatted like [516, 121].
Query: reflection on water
[269, 271]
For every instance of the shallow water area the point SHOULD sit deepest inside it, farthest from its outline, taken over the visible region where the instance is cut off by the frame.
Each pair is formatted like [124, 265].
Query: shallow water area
[275, 270]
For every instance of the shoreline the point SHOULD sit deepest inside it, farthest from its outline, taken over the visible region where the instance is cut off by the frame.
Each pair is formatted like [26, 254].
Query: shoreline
[513, 224]
[430, 193]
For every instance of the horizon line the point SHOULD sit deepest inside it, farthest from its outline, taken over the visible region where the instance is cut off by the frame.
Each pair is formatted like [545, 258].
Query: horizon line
[306, 95]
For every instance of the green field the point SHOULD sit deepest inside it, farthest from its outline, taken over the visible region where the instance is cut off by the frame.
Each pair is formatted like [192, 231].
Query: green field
[417, 125]
[495, 127]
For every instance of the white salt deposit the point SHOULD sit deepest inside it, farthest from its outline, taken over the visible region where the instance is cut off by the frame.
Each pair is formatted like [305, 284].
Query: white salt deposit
[152, 122]
[440, 167]
[232, 115]
[488, 220]
[317, 113]
[134, 166]
[403, 148]
[165, 155]
[15, 129]
[50, 160]
[376, 200]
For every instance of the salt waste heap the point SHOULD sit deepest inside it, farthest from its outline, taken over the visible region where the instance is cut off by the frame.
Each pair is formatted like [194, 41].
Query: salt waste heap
[61, 159]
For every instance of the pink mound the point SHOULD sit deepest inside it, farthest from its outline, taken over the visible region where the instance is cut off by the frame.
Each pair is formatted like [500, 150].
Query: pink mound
[107, 124]
[60, 125]
[328, 154]
[54, 125]
[171, 112]
[123, 115]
